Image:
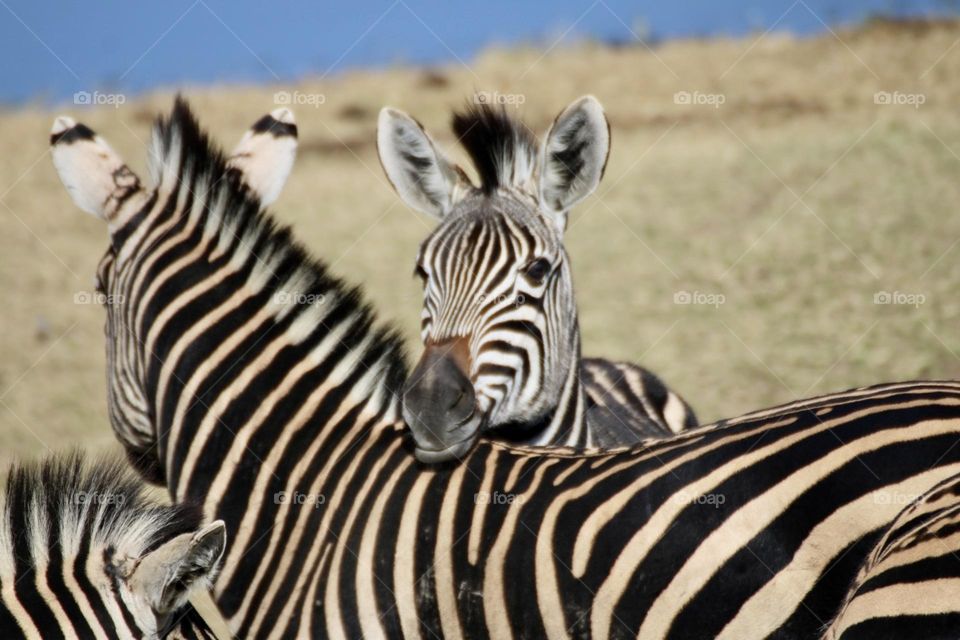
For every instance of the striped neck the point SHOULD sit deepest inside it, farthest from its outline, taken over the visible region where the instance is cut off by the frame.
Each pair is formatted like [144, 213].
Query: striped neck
[567, 425]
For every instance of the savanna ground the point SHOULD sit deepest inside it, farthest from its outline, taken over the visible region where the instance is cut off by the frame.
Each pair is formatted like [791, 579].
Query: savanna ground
[783, 197]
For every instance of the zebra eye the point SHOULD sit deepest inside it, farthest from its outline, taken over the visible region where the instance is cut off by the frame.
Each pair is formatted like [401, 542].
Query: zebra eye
[537, 270]
[421, 273]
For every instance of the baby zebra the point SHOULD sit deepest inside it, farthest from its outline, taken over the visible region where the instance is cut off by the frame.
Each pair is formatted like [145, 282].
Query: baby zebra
[84, 553]
[499, 321]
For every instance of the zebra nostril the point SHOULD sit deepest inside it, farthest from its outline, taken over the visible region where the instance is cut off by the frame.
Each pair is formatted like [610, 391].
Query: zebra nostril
[456, 401]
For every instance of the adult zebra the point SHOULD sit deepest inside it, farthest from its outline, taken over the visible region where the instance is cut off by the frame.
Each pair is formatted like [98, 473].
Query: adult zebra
[85, 553]
[499, 321]
[247, 378]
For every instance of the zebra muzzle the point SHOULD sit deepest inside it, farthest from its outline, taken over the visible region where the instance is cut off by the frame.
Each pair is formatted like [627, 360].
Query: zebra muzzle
[439, 403]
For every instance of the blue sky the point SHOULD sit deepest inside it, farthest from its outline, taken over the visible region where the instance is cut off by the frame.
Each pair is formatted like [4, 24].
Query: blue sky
[52, 49]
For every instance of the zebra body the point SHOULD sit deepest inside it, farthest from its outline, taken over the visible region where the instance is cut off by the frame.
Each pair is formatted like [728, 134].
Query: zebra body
[499, 321]
[84, 553]
[280, 414]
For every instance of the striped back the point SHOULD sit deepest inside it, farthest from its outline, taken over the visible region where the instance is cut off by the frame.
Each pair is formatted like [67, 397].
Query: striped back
[85, 553]
[499, 320]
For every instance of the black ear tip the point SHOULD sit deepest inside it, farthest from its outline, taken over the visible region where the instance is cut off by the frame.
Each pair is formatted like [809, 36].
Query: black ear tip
[66, 131]
[277, 127]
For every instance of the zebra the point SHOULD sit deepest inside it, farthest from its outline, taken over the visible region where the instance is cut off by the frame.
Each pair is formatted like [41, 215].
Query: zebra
[499, 321]
[86, 553]
[250, 380]
[260, 164]
[909, 585]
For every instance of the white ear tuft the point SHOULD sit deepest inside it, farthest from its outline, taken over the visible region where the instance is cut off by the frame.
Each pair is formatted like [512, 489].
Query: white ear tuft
[283, 115]
[61, 124]
[425, 180]
[95, 176]
[265, 155]
[574, 156]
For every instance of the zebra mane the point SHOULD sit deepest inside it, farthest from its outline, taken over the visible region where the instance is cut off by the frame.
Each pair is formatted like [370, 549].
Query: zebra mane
[184, 161]
[502, 149]
[67, 506]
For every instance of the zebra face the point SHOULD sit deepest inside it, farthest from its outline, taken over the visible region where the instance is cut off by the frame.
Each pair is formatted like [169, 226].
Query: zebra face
[498, 324]
[139, 222]
[499, 320]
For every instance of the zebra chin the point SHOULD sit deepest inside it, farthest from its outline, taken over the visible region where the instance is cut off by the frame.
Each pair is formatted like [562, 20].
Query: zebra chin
[437, 442]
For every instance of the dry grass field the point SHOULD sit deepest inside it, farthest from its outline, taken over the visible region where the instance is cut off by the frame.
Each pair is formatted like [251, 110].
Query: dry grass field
[784, 192]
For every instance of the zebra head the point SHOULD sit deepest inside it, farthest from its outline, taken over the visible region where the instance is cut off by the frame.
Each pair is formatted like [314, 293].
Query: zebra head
[499, 320]
[85, 553]
[102, 184]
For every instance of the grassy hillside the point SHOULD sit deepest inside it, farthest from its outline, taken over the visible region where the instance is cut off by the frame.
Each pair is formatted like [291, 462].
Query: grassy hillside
[783, 190]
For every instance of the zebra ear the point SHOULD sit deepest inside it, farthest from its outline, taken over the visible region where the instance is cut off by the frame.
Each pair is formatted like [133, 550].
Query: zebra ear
[167, 576]
[573, 157]
[96, 177]
[421, 174]
[264, 157]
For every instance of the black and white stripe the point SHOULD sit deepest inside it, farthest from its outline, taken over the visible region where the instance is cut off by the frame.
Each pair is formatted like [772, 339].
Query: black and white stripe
[274, 400]
[499, 316]
[84, 553]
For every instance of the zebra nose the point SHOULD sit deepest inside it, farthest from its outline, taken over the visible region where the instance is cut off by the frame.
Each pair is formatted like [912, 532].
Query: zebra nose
[439, 396]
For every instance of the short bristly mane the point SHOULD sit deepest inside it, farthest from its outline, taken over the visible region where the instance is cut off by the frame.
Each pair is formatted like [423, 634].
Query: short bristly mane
[183, 160]
[503, 149]
[69, 506]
